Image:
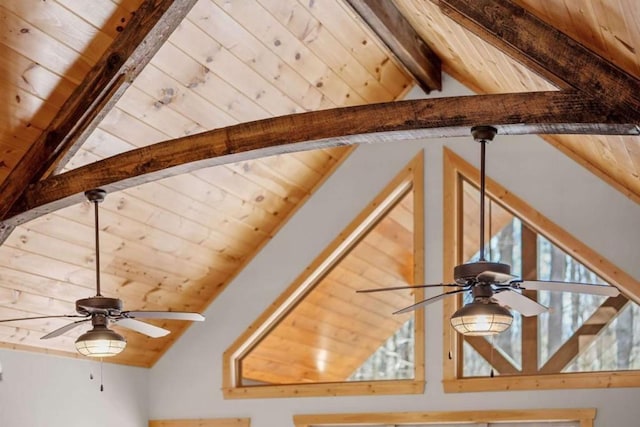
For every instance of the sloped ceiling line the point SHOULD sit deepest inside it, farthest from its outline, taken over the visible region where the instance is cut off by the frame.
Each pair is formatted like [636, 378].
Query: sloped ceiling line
[97, 94]
[520, 113]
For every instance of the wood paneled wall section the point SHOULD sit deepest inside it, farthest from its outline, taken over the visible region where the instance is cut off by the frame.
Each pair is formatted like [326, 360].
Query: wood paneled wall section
[176, 243]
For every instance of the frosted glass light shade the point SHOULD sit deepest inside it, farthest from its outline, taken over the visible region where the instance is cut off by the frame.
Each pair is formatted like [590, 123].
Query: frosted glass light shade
[481, 318]
[100, 342]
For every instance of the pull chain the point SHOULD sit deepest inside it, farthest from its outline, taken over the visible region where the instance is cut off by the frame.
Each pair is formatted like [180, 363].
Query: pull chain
[101, 383]
[451, 335]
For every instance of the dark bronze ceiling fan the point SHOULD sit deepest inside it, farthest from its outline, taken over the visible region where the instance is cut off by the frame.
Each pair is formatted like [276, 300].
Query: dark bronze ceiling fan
[493, 288]
[102, 311]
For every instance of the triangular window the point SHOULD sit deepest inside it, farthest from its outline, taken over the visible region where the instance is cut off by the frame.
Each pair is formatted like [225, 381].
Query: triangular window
[322, 337]
[580, 332]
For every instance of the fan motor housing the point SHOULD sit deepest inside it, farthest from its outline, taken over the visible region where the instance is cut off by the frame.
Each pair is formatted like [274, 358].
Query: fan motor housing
[99, 304]
[464, 273]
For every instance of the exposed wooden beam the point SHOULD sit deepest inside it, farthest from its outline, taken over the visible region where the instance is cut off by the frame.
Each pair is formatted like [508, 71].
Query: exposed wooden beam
[517, 113]
[547, 51]
[132, 49]
[384, 18]
[585, 334]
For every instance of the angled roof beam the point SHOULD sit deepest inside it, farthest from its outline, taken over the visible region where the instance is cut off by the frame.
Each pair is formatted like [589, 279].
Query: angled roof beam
[517, 113]
[133, 48]
[547, 51]
[400, 37]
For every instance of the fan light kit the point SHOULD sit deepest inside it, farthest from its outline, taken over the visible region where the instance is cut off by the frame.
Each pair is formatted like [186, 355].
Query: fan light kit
[481, 317]
[101, 341]
[493, 288]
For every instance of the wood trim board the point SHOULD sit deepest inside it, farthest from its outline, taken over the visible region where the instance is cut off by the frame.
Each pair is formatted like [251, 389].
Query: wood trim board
[201, 422]
[584, 416]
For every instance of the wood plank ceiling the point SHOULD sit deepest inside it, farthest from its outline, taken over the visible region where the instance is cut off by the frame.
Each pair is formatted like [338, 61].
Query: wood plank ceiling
[174, 244]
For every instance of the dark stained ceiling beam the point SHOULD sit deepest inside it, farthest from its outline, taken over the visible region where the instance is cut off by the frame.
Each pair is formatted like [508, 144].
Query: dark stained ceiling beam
[397, 33]
[96, 95]
[547, 51]
[517, 113]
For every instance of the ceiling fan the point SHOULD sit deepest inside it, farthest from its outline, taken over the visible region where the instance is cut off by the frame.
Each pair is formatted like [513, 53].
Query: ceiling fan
[493, 288]
[101, 311]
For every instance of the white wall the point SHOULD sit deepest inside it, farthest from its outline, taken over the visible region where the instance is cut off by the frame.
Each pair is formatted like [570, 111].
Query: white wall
[49, 391]
[186, 382]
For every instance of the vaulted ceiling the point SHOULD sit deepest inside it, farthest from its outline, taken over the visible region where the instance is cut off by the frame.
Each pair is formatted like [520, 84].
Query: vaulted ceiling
[76, 91]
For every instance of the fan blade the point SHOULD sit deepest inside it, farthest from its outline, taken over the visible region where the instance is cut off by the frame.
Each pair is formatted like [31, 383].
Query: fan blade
[170, 315]
[494, 277]
[521, 303]
[396, 288]
[63, 316]
[62, 330]
[583, 288]
[428, 301]
[144, 328]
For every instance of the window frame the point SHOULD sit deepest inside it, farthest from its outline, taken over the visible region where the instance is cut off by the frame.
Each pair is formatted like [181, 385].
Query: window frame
[410, 179]
[211, 422]
[455, 170]
[584, 416]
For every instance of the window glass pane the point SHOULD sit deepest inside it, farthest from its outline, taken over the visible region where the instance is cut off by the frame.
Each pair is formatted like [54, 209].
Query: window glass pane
[567, 311]
[393, 360]
[334, 334]
[616, 348]
[504, 246]
[474, 365]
